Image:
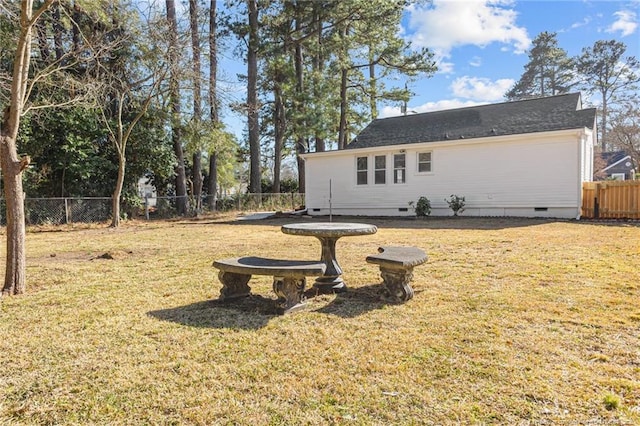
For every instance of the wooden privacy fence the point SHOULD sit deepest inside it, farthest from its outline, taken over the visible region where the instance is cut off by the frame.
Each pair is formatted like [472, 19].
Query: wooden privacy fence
[611, 200]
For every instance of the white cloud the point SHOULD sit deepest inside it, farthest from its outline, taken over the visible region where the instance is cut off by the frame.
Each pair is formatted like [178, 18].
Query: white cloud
[476, 61]
[447, 24]
[444, 66]
[582, 23]
[626, 23]
[481, 89]
[390, 111]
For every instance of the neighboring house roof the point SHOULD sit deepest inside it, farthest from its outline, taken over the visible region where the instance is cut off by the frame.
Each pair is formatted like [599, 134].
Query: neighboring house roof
[614, 158]
[560, 112]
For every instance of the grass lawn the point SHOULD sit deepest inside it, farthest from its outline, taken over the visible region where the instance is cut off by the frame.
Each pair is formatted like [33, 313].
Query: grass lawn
[514, 322]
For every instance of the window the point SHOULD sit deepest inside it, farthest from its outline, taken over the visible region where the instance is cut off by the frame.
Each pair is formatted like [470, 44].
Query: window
[362, 170]
[424, 162]
[618, 176]
[399, 168]
[380, 171]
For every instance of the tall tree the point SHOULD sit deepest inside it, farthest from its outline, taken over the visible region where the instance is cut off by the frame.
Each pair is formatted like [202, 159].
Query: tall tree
[605, 70]
[212, 185]
[368, 39]
[255, 173]
[174, 101]
[197, 101]
[549, 70]
[300, 104]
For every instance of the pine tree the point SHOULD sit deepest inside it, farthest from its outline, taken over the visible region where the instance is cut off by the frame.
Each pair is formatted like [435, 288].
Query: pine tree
[549, 71]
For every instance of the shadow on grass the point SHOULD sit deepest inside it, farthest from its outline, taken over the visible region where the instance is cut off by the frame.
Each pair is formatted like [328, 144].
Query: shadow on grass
[255, 311]
[251, 313]
[409, 222]
[356, 301]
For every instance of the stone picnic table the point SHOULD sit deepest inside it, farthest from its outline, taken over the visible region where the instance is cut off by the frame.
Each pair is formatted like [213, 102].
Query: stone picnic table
[329, 233]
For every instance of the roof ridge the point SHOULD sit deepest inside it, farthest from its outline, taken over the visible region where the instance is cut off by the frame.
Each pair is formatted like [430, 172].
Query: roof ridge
[540, 98]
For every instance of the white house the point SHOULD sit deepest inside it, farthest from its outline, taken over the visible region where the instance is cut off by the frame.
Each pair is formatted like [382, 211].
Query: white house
[525, 158]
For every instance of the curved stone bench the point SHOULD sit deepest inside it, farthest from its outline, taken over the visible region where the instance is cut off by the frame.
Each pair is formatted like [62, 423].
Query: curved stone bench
[396, 268]
[288, 278]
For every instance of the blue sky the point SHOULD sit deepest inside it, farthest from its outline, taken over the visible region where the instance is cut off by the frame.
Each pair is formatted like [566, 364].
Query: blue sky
[481, 45]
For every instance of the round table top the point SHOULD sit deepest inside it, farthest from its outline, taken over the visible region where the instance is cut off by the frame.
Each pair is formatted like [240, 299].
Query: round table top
[329, 229]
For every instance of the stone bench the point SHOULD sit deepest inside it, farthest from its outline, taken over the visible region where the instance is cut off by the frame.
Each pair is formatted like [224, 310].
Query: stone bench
[396, 268]
[288, 278]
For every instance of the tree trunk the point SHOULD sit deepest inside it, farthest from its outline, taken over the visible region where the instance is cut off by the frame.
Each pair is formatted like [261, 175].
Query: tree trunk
[603, 141]
[212, 185]
[300, 125]
[197, 180]
[212, 189]
[278, 132]
[373, 88]
[117, 192]
[342, 130]
[174, 89]
[197, 101]
[58, 31]
[252, 100]
[15, 272]
[318, 71]
[12, 166]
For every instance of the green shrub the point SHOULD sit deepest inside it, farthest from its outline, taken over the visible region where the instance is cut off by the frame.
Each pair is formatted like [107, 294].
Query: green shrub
[456, 203]
[611, 401]
[422, 207]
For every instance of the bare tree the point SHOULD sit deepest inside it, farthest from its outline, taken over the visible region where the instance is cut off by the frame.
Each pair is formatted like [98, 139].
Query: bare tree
[129, 89]
[606, 71]
[24, 81]
[625, 129]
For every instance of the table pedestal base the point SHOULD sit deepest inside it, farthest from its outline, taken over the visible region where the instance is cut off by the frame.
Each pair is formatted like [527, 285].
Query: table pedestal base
[328, 285]
[331, 281]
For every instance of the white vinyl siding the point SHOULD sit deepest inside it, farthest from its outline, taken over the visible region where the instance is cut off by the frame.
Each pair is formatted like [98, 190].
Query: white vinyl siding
[502, 176]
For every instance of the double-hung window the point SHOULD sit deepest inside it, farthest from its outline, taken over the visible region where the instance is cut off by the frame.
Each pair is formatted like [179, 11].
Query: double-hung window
[362, 170]
[399, 168]
[425, 162]
[380, 170]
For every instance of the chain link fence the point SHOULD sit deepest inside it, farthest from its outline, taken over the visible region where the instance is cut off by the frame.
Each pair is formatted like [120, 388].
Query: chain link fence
[58, 211]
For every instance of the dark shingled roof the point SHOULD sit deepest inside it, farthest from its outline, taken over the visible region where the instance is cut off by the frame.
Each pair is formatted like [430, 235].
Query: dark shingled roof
[612, 157]
[509, 118]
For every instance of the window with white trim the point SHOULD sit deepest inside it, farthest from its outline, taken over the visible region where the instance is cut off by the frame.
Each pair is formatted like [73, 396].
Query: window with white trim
[618, 176]
[362, 170]
[380, 169]
[399, 168]
[425, 162]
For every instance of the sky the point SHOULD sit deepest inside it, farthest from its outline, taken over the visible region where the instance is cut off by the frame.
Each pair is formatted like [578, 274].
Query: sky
[481, 46]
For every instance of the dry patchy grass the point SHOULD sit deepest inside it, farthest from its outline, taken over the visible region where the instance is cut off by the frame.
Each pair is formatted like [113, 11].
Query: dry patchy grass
[513, 322]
